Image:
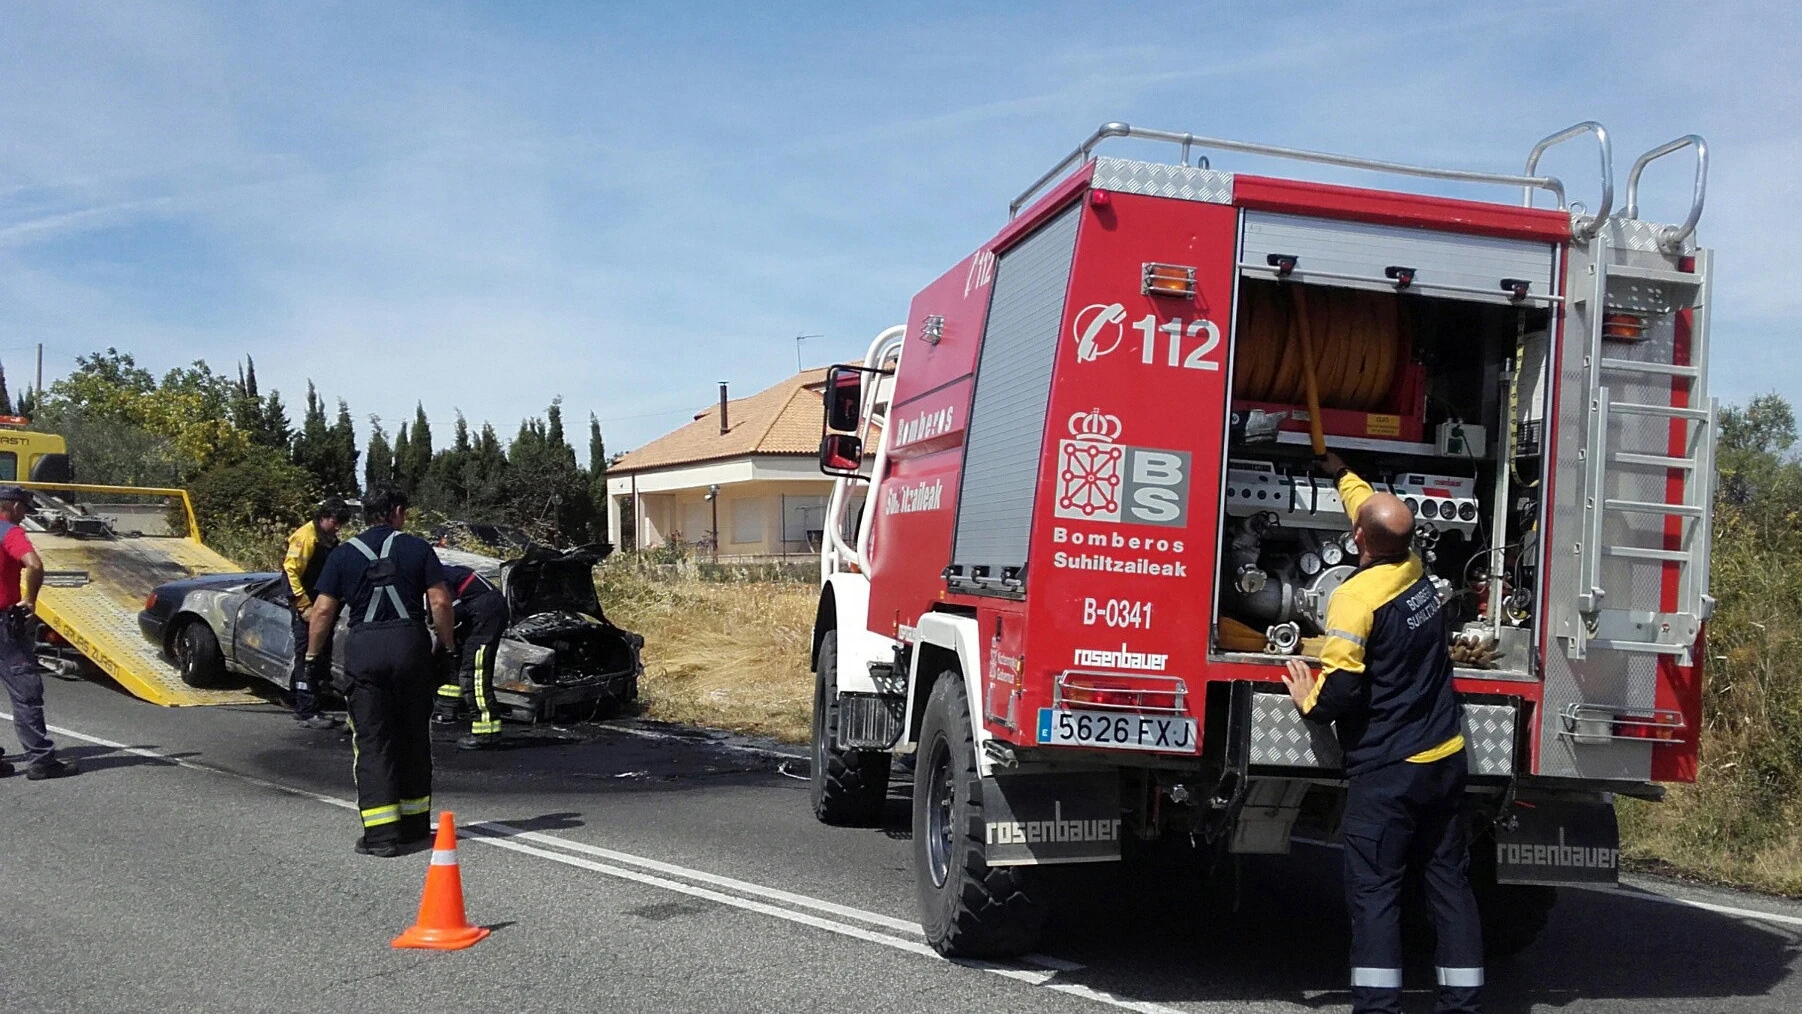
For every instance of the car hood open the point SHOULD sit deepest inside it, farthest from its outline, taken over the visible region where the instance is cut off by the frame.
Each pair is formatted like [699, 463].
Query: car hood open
[547, 580]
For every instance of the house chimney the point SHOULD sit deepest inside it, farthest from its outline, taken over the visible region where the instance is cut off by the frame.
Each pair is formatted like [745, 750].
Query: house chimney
[723, 423]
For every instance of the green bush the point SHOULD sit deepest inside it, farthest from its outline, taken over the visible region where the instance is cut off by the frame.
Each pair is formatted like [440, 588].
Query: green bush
[253, 487]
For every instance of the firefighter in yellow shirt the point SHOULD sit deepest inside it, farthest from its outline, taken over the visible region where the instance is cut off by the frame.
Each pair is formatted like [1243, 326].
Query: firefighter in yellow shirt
[308, 547]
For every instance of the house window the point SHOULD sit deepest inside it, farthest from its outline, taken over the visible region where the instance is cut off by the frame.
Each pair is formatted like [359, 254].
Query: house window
[747, 520]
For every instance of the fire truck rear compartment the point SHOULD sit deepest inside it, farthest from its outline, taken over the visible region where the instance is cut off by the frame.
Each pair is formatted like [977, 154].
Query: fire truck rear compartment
[1433, 398]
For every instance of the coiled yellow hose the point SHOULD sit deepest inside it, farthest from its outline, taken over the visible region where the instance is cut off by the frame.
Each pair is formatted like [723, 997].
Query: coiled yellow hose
[1356, 338]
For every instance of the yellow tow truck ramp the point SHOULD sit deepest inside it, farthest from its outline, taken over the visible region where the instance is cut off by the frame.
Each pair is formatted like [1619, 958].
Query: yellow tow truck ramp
[95, 584]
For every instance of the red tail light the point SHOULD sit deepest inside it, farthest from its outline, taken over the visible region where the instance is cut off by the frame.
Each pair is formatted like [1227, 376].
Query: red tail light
[1662, 725]
[150, 601]
[1121, 692]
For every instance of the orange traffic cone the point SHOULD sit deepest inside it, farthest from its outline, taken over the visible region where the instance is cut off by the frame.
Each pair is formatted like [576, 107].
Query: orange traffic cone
[441, 925]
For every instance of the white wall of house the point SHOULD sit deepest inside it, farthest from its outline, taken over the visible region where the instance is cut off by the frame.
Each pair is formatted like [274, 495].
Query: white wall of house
[768, 506]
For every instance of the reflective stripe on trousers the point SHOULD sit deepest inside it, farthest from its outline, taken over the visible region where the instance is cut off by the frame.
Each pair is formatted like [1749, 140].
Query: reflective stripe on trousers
[485, 724]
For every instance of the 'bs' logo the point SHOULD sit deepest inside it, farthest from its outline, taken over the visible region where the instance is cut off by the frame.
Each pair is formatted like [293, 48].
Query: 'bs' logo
[1101, 480]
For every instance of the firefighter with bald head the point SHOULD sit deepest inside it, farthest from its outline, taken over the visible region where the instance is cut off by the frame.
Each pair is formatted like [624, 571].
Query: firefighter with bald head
[1386, 686]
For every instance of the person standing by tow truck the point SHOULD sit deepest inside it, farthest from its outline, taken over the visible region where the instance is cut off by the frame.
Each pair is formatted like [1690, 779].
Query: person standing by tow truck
[480, 611]
[21, 575]
[308, 548]
[389, 581]
[1386, 685]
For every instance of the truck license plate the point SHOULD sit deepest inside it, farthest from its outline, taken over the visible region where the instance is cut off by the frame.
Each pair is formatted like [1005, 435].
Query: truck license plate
[1111, 730]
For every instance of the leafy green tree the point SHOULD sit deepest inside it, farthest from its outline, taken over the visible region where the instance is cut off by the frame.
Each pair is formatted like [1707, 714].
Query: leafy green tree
[28, 403]
[114, 452]
[597, 475]
[273, 428]
[403, 448]
[485, 476]
[310, 444]
[254, 485]
[191, 408]
[378, 463]
[410, 468]
[342, 445]
[446, 485]
[545, 492]
[6, 400]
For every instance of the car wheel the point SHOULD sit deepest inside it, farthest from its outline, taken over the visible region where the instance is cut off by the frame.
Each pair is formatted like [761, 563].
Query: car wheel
[197, 655]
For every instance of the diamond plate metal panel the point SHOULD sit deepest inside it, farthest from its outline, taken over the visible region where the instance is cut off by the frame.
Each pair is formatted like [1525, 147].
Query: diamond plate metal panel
[1280, 737]
[1158, 179]
[1636, 234]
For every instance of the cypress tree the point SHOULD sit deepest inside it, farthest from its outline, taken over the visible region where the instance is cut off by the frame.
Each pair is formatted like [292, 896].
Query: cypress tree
[378, 462]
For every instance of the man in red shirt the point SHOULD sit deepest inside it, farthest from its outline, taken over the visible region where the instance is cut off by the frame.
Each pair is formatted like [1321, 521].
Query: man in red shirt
[19, 667]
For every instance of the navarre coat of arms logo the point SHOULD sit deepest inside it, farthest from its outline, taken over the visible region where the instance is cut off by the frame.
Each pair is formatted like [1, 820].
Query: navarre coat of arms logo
[1089, 468]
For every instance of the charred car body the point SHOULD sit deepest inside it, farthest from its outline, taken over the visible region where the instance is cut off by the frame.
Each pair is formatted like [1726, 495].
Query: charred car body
[560, 652]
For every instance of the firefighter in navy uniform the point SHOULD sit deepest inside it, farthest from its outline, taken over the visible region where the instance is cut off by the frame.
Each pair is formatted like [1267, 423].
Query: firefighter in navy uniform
[480, 612]
[390, 582]
[1386, 685]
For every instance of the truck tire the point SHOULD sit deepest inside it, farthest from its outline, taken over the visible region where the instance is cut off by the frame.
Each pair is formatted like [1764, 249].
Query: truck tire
[197, 655]
[1514, 915]
[850, 787]
[968, 908]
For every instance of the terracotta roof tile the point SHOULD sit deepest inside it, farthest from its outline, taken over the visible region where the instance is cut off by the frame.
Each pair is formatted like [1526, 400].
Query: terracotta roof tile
[784, 419]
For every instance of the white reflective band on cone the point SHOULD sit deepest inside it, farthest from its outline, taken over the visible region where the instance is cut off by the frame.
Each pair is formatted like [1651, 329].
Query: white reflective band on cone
[448, 857]
[1378, 978]
[1464, 978]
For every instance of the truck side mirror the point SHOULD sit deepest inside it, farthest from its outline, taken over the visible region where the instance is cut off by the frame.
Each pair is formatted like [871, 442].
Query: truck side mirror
[844, 398]
[841, 454]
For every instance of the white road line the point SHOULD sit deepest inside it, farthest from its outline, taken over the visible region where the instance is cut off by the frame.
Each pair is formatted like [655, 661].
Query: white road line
[741, 886]
[762, 751]
[1706, 906]
[485, 832]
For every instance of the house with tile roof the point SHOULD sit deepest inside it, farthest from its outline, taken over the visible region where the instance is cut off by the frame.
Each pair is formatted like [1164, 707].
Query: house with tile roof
[741, 481]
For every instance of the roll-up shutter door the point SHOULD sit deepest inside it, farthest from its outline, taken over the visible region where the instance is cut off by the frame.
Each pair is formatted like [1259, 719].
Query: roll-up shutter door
[1357, 255]
[1007, 414]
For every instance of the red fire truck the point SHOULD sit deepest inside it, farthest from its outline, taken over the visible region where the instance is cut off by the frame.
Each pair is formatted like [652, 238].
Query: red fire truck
[1078, 528]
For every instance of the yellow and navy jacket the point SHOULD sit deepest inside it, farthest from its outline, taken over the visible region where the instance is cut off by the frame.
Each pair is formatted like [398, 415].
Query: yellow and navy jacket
[1386, 671]
[305, 559]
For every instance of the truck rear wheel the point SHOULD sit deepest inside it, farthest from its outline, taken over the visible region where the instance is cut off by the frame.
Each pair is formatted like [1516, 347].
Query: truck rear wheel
[968, 908]
[850, 787]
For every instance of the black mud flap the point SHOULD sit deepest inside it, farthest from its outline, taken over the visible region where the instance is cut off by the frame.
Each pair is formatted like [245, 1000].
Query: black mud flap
[1058, 817]
[1557, 842]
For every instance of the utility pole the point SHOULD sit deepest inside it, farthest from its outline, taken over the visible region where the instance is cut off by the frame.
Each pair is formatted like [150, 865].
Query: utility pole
[798, 340]
[39, 389]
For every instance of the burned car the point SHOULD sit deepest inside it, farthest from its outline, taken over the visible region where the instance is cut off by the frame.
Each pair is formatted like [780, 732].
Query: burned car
[559, 655]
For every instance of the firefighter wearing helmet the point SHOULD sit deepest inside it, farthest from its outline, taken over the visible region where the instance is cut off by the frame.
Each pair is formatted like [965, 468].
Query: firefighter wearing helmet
[1386, 686]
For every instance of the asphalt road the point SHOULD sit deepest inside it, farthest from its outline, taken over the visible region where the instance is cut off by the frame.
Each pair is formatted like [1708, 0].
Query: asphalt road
[202, 862]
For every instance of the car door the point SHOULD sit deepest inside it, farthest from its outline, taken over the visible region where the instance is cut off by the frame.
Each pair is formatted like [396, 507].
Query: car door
[264, 633]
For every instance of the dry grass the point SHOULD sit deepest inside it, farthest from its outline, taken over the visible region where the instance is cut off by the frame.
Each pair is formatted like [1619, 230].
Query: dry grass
[725, 655]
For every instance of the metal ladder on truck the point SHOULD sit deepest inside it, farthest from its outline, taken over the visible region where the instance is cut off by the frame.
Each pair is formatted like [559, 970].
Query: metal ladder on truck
[1629, 294]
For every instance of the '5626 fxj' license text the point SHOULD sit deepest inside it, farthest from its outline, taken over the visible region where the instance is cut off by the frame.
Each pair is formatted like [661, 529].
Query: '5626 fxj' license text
[1109, 730]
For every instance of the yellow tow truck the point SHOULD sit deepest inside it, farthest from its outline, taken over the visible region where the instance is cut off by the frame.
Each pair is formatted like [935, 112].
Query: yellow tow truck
[104, 549]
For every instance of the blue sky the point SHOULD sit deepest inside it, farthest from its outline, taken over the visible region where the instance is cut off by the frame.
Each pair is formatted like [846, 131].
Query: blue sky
[483, 205]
